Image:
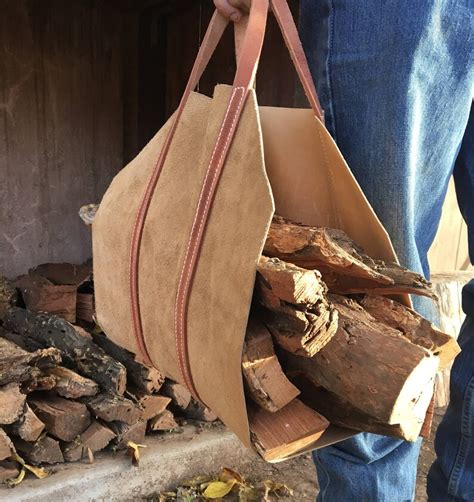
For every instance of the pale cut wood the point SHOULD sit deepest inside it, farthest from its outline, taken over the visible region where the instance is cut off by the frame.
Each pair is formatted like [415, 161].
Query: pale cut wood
[279, 435]
[71, 385]
[29, 427]
[266, 383]
[180, 396]
[163, 422]
[77, 351]
[370, 365]
[12, 403]
[290, 283]
[63, 419]
[344, 266]
[111, 407]
[44, 451]
[6, 446]
[141, 376]
[413, 326]
[96, 437]
[344, 414]
[125, 433]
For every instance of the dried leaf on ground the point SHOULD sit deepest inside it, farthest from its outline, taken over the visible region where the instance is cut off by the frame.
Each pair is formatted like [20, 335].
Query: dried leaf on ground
[219, 489]
[134, 452]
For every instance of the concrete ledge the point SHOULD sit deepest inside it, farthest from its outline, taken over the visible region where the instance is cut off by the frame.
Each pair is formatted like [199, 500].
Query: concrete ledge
[163, 463]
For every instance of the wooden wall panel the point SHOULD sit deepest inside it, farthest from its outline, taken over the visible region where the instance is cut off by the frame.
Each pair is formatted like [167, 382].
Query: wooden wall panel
[60, 125]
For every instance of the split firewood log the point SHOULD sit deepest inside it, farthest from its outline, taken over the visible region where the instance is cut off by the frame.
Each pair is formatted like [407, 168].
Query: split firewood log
[7, 449]
[95, 438]
[125, 433]
[85, 307]
[112, 407]
[64, 273]
[12, 403]
[179, 394]
[43, 382]
[163, 422]
[265, 381]
[41, 295]
[344, 266]
[44, 451]
[143, 377]
[71, 385]
[152, 406]
[28, 427]
[8, 296]
[281, 434]
[197, 411]
[18, 365]
[8, 470]
[63, 419]
[77, 351]
[344, 414]
[371, 366]
[415, 327]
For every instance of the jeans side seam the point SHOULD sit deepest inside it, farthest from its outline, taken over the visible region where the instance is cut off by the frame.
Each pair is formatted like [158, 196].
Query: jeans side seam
[466, 436]
[330, 42]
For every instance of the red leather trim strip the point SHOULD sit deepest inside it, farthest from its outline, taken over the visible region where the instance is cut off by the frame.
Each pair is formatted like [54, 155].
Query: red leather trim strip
[206, 198]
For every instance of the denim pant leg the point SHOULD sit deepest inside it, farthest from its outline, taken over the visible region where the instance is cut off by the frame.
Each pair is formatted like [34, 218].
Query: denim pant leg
[395, 81]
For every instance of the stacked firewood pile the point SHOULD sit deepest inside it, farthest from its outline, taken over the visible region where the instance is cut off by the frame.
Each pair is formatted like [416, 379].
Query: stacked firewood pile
[328, 343]
[66, 390]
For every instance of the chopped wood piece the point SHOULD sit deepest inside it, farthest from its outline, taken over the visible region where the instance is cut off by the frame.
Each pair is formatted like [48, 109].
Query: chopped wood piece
[179, 395]
[18, 365]
[163, 422]
[44, 451]
[6, 445]
[415, 327]
[85, 308]
[12, 403]
[77, 351]
[266, 382]
[63, 419]
[8, 296]
[126, 433]
[71, 385]
[144, 378]
[41, 295]
[96, 437]
[425, 432]
[29, 427]
[290, 283]
[197, 411]
[43, 382]
[64, 273]
[8, 470]
[340, 412]
[344, 266]
[279, 435]
[370, 365]
[153, 405]
[111, 407]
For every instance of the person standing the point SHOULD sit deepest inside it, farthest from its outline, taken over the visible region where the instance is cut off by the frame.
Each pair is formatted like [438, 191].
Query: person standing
[396, 82]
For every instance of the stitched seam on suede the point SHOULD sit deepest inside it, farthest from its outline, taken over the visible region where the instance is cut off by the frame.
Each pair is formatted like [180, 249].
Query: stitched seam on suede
[187, 266]
[331, 181]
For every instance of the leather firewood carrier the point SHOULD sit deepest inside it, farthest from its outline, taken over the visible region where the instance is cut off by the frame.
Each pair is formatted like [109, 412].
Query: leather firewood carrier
[180, 230]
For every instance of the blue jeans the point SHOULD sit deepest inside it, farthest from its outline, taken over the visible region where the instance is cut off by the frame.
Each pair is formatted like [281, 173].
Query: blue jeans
[395, 79]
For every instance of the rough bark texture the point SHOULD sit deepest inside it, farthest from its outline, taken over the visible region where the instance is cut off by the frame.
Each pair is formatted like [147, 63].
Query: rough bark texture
[265, 381]
[371, 366]
[12, 403]
[413, 326]
[344, 266]
[18, 365]
[110, 407]
[8, 296]
[77, 351]
[281, 434]
[144, 378]
[72, 385]
[63, 419]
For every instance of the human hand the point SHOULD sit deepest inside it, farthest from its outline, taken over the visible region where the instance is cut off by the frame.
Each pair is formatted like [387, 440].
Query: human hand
[232, 9]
